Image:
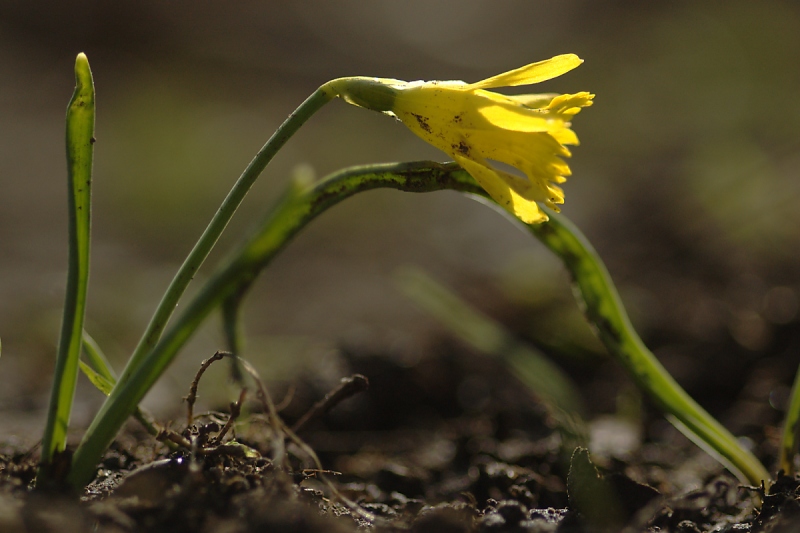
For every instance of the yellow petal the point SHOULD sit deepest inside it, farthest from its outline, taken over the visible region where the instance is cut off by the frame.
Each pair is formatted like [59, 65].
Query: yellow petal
[508, 115]
[501, 192]
[553, 116]
[537, 155]
[534, 101]
[565, 136]
[568, 105]
[533, 73]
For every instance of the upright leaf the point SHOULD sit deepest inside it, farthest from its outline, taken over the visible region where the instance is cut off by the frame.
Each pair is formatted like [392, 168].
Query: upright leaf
[80, 144]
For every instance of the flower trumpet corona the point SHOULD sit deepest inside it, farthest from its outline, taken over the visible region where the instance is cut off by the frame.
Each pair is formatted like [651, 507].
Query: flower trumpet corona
[476, 127]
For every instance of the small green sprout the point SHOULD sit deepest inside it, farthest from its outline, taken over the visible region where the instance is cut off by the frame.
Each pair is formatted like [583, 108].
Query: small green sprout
[80, 148]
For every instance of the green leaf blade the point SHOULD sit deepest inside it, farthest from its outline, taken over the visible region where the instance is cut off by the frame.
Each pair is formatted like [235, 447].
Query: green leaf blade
[80, 151]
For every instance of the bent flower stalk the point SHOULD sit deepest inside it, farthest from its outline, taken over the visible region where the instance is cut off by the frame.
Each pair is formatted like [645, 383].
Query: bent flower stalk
[475, 126]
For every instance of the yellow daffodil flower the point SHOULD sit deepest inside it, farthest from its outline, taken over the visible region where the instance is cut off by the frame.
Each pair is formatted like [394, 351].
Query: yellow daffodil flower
[475, 127]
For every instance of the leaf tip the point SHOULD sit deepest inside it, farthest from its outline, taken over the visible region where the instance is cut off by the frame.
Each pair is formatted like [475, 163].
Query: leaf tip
[82, 71]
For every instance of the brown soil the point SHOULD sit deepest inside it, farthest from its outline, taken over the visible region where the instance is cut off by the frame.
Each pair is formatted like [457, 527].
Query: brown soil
[453, 443]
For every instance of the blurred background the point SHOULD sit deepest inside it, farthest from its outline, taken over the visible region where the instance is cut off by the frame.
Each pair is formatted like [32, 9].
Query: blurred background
[686, 179]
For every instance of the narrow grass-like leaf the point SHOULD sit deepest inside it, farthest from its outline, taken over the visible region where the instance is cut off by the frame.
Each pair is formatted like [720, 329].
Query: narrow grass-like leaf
[97, 359]
[80, 146]
[97, 379]
[543, 377]
[791, 428]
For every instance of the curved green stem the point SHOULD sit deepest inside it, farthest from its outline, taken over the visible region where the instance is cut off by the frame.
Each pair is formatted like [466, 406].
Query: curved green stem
[604, 310]
[218, 223]
[299, 206]
[80, 151]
